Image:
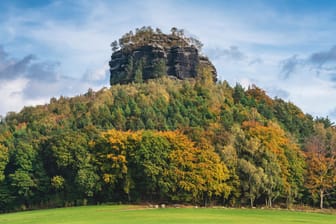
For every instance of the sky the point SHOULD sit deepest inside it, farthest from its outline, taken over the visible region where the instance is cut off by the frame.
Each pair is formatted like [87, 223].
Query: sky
[62, 47]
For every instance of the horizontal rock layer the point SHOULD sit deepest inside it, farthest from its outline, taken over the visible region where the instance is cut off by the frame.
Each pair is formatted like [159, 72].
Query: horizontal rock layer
[154, 60]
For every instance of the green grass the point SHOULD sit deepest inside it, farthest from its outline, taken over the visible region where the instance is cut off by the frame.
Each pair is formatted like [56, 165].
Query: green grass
[139, 215]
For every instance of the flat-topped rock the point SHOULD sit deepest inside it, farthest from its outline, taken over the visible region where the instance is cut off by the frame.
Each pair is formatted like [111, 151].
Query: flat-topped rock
[151, 55]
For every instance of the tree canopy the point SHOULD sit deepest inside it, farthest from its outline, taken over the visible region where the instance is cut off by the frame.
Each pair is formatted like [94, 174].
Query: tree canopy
[166, 141]
[146, 34]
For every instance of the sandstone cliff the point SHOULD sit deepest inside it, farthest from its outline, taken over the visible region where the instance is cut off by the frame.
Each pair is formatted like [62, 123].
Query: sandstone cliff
[148, 55]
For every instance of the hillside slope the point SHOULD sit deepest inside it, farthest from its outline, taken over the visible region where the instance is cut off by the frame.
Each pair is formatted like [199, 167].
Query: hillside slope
[164, 140]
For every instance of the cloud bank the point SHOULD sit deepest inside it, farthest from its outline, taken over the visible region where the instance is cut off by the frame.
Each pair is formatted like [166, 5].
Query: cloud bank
[29, 81]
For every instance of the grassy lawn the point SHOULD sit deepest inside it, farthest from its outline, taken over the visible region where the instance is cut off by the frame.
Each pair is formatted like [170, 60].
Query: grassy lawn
[139, 215]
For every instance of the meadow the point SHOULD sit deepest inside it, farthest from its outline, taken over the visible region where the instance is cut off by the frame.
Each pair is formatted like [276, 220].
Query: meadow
[137, 215]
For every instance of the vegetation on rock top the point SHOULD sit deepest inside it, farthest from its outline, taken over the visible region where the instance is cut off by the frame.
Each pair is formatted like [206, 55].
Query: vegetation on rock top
[148, 36]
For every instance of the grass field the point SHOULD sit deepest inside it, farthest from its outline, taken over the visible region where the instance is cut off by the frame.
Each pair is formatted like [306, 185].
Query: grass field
[139, 215]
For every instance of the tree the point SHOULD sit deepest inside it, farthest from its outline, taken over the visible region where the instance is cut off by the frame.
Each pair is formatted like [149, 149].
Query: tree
[239, 94]
[148, 163]
[205, 75]
[21, 177]
[135, 162]
[138, 74]
[293, 120]
[197, 43]
[297, 171]
[268, 147]
[22, 181]
[321, 174]
[4, 159]
[69, 164]
[87, 180]
[274, 181]
[114, 46]
[321, 163]
[130, 67]
[138, 78]
[159, 68]
[173, 30]
[252, 180]
[110, 152]
[196, 172]
[118, 118]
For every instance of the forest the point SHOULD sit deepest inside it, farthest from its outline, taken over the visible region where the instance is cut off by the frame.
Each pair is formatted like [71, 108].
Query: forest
[167, 141]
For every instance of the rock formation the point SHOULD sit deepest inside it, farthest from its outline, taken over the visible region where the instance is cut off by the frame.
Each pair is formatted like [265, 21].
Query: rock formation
[154, 55]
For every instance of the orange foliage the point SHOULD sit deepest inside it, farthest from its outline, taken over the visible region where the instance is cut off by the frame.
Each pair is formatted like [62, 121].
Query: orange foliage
[275, 141]
[259, 95]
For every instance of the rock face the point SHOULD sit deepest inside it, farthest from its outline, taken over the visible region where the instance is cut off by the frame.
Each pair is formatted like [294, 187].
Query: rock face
[154, 60]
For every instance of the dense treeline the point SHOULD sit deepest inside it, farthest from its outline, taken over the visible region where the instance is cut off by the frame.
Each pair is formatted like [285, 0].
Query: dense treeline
[167, 141]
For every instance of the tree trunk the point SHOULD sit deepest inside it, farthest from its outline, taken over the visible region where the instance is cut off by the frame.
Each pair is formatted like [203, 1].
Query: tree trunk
[268, 201]
[129, 197]
[321, 198]
[251, 202]
[289, 199]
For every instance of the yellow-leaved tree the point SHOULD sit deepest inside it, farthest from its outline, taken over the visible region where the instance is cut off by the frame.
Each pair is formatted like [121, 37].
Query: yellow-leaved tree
[152, 165]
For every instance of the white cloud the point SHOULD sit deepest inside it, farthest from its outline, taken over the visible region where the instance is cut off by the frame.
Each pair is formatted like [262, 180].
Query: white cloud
[11, 95]
[313, 94]
[100, 74]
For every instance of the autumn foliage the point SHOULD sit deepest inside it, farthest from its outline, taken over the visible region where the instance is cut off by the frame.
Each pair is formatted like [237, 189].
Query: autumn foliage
[167, 141]
[165, 165]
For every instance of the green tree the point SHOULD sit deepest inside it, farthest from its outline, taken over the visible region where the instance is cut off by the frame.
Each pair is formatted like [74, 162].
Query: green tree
[87, 180]
[239, 94]
[130, 68]
[138, 75]
[159, 68]
[252, 180]
[23, 183]
[4, 159]
[21, 176]
[114, 46]
[148, 163]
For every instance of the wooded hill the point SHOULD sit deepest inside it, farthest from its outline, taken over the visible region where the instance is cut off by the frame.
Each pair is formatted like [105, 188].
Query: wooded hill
[171, 141]
[167, 141]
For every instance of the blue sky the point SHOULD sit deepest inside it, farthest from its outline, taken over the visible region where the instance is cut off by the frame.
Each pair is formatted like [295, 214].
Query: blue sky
[61, 47]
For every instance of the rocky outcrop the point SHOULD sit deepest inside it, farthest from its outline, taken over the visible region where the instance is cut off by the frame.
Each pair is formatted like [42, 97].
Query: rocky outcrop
[183, 62]
[150, 54]
[151, 61]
